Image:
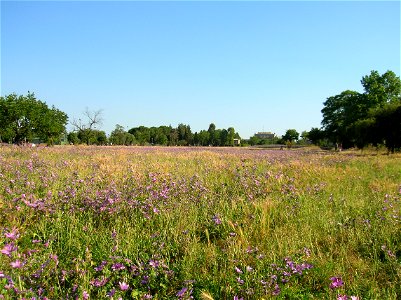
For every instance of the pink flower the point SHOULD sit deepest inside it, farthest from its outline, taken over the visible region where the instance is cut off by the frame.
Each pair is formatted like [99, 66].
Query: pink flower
[8, 249]
[85, 295]
[336, 282]
[123, 286]
[16, 264]
[13, 235]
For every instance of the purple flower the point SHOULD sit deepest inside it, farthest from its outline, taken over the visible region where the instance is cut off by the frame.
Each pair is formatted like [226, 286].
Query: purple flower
[16, 264]
[117, 267]
[342, 297]
[123, 286]
[336, 282]
[13, 235]
[154, 263]
[240, 281]
[216, 220]
[111, 293]
[8, 249]
[101, 266]
[249, 269]
[85, 295]
[238, 270]
[236, 298]
[145, 279]
[276, 290]
[181, 292]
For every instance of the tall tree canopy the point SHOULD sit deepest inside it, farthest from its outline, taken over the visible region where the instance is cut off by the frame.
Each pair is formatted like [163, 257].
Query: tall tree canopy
[353, 118]
[23, 118]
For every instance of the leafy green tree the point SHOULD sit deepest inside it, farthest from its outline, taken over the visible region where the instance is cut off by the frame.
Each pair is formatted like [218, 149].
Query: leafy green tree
[224, 137]
[316, 135]
[204, 138]
[212, 134]
[291, 135]
[24, 117]
[230, 136]
[120, 137]
[388, 125]
[340, 112]
[346, 116]
[72, 138]
[381, 89]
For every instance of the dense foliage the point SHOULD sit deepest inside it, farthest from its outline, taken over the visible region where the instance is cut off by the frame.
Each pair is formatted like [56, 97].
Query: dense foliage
[359, 119]
[182, 136]
[23, 118]
[208, 223]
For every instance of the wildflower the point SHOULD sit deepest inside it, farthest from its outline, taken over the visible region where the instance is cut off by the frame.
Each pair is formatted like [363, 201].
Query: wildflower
[101, 266]
[240, 281]
[16, 264]
[216, 220]
[13, 235]
[117, 267]
[145, 279]
[276, 290]
[85, 295]
[249, 269]
[236, 298]
[354, 298]
[342, 297]
[111, 293]
[154, 263]
[336, 282]
[181, 292]
[123, 286]
[307, 252]
[238, 270]
[8, 249]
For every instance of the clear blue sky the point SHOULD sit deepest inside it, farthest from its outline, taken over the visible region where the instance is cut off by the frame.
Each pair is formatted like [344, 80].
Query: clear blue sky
[264, 65]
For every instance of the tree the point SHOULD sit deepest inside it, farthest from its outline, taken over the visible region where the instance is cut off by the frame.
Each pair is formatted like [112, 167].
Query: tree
[212, 134]
[72, 138]
[291, 135]
[204, 137]
[120, 137]
[382, 89]
[340, 112]
[388, 125]
[346, 116]
[23, 118]
[87, 131]
[230, 136]
[315, 135]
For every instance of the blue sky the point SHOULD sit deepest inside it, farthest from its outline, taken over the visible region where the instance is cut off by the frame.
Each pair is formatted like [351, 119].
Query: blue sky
[256, 66]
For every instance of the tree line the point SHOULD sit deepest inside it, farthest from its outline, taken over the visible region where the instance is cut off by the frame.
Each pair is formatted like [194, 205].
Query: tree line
[352, 119]
[181, 135]
[25, 118]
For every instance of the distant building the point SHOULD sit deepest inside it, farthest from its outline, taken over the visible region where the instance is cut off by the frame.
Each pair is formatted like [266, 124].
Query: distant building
[265, 135]
[237, 142]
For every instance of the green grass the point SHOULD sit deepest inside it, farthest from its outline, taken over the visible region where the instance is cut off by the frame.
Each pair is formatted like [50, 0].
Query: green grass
[220, 223]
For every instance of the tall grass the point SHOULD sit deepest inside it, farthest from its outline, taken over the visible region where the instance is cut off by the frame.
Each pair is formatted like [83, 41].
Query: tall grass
[168, 223]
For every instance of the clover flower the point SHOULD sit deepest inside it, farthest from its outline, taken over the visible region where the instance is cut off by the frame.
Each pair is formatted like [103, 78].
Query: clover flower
[336, 282]
[8, 249]
[123, 286]
[16, 264]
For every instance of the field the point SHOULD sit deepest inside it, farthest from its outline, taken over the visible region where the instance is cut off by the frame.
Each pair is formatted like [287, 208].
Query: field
[201, 223]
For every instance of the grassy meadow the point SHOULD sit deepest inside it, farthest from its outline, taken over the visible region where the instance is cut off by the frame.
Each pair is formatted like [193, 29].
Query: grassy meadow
[198, 223]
